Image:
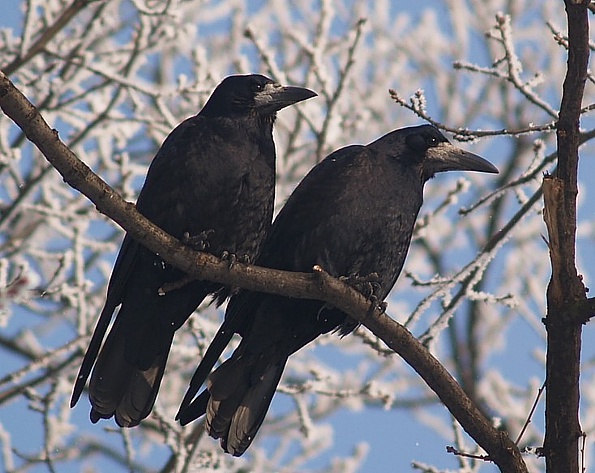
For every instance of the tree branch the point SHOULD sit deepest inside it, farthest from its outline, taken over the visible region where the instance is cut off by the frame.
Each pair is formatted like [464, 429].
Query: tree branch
[316, 285]
[565, 292]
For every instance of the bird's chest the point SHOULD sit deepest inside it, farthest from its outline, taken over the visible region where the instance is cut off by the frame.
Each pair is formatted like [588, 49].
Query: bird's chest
[378, 232]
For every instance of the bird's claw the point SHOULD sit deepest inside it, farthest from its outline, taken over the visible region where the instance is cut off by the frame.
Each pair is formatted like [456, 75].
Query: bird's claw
[368, 285]
[375, 303]
[232, 259]
[198, 242]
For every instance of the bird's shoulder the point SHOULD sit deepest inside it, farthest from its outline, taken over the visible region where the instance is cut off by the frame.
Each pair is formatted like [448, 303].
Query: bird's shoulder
[202, 157]
[202, 139]
[329, 177]
[313, 208]
[354, 196]
[332, 186]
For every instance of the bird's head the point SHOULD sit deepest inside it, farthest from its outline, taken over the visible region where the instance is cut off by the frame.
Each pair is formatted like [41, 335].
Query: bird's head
[255, 93]
[426, 147]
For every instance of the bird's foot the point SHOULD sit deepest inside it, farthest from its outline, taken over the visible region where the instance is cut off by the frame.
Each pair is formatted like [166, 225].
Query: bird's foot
[198, 242]
[376, 303]
[232, 259]
[369, 286]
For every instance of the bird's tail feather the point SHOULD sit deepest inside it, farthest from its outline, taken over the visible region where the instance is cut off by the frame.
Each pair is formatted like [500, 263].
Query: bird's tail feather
[221, 340]
[241, 391]
[194, 410]
[91, 353]
[118, 387]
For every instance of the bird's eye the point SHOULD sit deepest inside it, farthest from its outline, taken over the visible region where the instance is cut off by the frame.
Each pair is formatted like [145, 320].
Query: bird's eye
[432, 141]
[256, 87]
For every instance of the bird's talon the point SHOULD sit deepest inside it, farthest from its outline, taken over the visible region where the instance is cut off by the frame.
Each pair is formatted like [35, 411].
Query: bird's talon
[198, 242]
[230, 258]
[375, 303]
[244, 259]
[368, 285]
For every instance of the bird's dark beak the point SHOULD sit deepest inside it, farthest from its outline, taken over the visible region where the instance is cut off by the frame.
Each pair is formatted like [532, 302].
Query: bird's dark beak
[446, 157]
[274, 97]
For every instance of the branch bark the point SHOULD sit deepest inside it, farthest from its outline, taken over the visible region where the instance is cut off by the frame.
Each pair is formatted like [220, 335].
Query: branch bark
[565, 292]
[316, 285]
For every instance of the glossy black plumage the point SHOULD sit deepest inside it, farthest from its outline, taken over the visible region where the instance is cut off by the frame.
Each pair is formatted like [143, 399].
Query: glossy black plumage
[215, 173]
[353, 215]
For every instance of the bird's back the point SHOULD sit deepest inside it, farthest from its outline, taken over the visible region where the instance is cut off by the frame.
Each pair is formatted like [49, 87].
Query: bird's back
[353, 215]
[214, 174]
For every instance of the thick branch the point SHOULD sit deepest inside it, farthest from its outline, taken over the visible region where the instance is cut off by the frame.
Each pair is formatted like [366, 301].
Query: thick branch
[566, 291]
[317, 285]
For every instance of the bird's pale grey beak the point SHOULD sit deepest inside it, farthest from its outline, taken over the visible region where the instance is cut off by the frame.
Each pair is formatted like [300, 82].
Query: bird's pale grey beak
[446, 157]
[273, 97]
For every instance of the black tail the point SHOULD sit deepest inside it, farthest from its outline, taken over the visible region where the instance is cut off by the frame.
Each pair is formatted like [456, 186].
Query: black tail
[233, 323]
[194, 410]
[130, 364]
[121, 387]
[222, 338]
[91, 354]
[241, 391]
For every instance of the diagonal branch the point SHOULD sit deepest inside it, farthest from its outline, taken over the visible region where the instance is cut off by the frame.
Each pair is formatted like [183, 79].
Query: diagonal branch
[316, 285]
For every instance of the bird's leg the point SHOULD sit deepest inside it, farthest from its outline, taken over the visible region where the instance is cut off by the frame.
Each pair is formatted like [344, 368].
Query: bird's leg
[376, 304]
[369, 286]
[198, 242]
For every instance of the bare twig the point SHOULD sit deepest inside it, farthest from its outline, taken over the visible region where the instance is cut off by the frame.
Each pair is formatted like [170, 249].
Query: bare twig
[531, 412]
[454, 451]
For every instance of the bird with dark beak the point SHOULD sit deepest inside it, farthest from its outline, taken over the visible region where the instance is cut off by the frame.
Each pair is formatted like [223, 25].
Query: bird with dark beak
[212, 185]
[353, 215]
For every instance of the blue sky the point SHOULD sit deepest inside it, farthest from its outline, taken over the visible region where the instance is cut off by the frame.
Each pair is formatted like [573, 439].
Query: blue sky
[399, 429]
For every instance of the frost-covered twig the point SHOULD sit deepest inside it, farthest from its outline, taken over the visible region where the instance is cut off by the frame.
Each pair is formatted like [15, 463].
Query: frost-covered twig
[460, 133]
[562, 40]
[47, 34]
[467, 276]
[343, 75]
[514, 67]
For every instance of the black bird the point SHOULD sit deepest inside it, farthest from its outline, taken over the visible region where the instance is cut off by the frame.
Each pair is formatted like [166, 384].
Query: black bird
[212, 182]
[353, 215]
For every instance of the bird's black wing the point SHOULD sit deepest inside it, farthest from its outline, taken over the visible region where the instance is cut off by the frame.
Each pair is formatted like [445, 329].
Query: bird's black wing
[306, 213]
[188, 187]
[154, 201]
[347, 216]
[124, 264]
